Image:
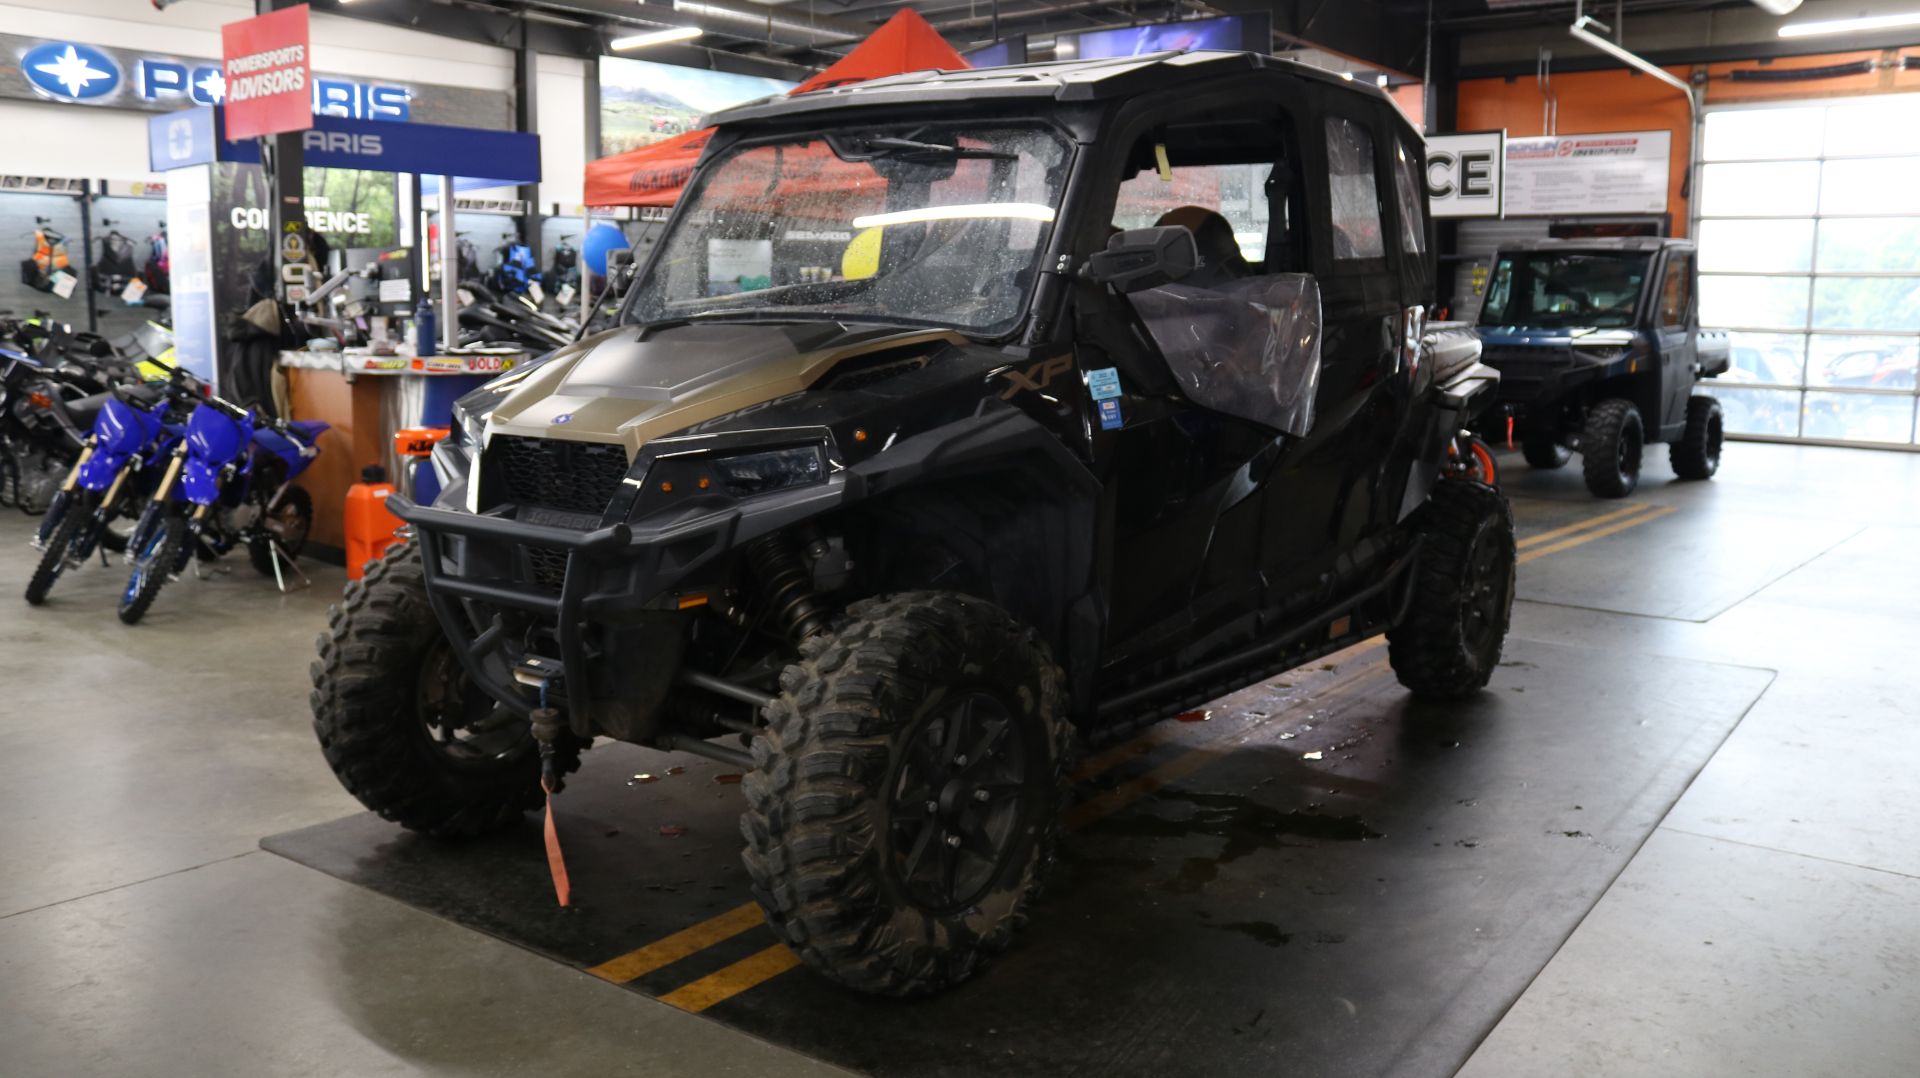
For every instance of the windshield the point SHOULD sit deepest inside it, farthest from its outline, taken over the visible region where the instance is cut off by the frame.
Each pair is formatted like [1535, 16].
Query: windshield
[915, 225]
[1564, 288]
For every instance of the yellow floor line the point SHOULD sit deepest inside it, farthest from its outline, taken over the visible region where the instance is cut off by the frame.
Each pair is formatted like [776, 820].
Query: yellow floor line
[1591, 522]
[636, 964]
[733, 980]
[763, 966]
[1588, 537]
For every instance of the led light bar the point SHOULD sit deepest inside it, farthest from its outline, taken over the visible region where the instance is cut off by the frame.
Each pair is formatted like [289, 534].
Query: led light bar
[1841, 26]
[655, 37]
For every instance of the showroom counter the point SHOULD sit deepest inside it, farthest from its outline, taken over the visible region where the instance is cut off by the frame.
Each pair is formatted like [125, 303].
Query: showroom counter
[367, 398]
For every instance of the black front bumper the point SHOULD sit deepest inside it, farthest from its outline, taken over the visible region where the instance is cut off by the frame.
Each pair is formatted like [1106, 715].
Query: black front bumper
[618, 647]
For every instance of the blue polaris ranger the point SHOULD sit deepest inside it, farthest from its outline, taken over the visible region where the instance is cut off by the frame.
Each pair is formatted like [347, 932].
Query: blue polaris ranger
[1599, 348]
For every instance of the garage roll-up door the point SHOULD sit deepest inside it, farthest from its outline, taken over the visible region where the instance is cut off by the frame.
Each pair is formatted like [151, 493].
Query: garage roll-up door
[1809, 232]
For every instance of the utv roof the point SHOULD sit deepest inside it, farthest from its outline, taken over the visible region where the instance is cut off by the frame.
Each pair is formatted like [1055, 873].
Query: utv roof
[1072, 81]
[1600, 243]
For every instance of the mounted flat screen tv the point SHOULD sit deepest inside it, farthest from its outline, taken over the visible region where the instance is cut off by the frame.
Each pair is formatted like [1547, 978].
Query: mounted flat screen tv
[1003, 53]
[1251, 33]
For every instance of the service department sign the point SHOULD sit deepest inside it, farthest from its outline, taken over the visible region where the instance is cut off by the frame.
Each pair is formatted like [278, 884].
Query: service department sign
[1466, 174]
[76, 73]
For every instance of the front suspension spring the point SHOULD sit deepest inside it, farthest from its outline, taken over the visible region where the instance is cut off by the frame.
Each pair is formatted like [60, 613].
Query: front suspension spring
[786, 587]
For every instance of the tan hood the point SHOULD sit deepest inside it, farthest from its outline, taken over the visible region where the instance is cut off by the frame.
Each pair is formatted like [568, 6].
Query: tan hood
[628, 386]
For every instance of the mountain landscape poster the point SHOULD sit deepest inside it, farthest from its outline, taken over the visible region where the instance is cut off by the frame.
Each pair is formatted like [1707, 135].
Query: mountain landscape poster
[642, 103]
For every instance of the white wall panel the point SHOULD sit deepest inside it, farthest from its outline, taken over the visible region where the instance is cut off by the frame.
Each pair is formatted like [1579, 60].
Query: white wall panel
[43, 140]
[561, 100]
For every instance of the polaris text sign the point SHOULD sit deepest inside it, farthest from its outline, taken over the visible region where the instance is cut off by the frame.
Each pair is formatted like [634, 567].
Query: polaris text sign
[74, 73]
[505, 158]
[1466, 174]
[269, 73]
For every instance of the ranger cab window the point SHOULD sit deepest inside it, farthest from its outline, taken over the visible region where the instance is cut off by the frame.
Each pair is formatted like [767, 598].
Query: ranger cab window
[1355, 191]
[1674, 292]
[1238, 333]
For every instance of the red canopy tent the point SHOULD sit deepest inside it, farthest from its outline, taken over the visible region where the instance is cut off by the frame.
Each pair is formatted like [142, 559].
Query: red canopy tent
[654, 175]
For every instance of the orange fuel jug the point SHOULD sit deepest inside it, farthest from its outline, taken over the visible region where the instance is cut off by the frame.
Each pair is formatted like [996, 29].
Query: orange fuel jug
[370, 527]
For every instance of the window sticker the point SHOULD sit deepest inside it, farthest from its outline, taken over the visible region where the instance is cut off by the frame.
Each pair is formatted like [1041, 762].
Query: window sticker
[1104, 383]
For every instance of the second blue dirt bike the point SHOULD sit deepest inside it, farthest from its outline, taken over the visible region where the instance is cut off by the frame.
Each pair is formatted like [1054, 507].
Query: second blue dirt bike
[229, 483]
[135, 427]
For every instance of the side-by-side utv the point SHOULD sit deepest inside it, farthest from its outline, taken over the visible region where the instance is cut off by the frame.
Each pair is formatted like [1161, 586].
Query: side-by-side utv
[1600, 350]
[956, 420]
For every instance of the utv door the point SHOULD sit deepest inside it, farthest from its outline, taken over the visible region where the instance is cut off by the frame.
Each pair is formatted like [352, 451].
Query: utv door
[1185, 481]
[1344, 480]
[1674, 329]
[1220, 513]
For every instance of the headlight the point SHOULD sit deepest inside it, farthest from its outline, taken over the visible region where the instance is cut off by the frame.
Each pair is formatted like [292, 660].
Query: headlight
[469, 425]
[677, 477]
[774, 469]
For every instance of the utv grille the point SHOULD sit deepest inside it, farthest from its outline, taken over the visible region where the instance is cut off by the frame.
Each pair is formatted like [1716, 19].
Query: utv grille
[578, 476]
[549, 567]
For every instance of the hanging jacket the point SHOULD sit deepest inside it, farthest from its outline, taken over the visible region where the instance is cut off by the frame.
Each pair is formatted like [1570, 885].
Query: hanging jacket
[114, 268]
[49, 257]
[158, 272]
[566, 266]
[468, 260]
[514, 268]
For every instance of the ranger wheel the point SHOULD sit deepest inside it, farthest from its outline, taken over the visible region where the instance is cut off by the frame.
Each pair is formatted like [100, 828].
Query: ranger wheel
[403, 727]
[60, 533]
[1543, 451]
[1610, 448]
[1449, 643]
[1697, 453]
[907, 792]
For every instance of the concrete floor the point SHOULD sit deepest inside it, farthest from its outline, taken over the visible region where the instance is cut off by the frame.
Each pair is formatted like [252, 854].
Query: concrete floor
[1766, 928]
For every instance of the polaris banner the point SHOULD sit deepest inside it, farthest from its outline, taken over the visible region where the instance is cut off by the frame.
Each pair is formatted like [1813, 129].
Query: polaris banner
[61, 72]
[268, 68]
[482, 158]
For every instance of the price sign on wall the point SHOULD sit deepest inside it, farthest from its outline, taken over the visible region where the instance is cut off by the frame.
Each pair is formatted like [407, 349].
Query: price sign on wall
[1619, 172]
[268, 68]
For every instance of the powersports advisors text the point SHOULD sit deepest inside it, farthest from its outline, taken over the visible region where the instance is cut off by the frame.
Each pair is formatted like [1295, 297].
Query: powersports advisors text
[956, 419]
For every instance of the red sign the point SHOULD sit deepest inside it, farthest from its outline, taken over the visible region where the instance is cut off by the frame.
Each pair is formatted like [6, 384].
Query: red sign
[269, 72]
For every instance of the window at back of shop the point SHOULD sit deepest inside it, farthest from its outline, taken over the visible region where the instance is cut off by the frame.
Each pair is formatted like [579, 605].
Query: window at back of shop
[1810, 256]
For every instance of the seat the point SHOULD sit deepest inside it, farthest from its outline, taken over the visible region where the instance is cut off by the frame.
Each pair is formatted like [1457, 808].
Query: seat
[84, 409]
[1220, 258]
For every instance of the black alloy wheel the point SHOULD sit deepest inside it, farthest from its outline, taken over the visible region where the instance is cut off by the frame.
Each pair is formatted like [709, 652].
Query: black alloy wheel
[956, 815]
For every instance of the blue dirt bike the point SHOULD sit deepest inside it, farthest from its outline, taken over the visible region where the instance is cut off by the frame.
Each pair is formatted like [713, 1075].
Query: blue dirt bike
[229, 483]
[135, 428]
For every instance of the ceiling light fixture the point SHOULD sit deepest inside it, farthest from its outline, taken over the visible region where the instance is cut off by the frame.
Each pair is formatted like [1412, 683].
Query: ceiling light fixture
[656, 37]
[1841, 26]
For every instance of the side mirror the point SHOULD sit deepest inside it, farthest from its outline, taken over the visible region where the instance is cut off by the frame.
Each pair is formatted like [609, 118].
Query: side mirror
[1145, 258]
